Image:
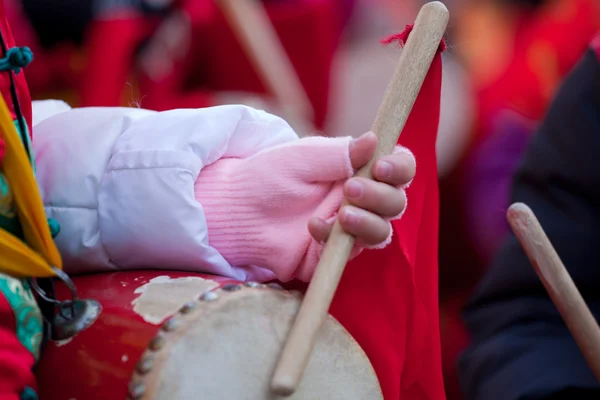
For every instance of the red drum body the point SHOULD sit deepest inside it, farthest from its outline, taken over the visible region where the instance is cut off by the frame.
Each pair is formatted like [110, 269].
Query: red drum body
[98, 363]
[174, 336]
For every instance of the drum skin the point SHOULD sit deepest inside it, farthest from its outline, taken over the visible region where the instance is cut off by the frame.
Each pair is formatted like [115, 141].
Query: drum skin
[153, 321]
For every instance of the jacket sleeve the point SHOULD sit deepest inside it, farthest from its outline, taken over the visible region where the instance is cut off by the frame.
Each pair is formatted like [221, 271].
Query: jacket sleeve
[147, 192]
[520, 347]
[120, 182]
[44, 109]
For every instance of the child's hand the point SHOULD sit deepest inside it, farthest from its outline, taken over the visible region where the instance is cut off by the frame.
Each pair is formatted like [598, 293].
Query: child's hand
[258, 208]
[373, 202]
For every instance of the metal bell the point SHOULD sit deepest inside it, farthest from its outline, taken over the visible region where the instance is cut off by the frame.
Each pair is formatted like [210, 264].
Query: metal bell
[69, 317]
[73, 317]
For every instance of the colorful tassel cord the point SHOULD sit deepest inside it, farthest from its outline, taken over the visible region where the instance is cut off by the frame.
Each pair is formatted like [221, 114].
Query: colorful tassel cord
[35, 256]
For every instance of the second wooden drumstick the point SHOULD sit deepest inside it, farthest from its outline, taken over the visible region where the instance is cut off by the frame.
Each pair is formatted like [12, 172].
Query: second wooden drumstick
[260, 41]
[558, 283]
[399, 98]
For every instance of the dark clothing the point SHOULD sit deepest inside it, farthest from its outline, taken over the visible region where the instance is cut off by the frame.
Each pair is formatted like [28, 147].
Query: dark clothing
[521, 349]
[58, 21]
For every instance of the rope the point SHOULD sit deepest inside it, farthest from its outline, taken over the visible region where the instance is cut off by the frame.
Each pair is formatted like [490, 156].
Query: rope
[16, 58]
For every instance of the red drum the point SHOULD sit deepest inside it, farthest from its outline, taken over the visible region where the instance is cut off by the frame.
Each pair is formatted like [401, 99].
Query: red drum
[174, 336]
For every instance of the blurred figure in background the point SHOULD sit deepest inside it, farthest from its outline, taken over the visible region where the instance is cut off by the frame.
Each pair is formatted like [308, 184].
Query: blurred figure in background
[521, 348]
[165, 54]
[59, 34]
[218, 71]
[515, 71]
[516, 53]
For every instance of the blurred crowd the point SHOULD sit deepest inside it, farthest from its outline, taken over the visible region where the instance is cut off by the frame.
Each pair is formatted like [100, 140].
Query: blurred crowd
[505, 61]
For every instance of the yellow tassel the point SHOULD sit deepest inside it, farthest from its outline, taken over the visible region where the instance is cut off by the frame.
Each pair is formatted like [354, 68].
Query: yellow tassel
[35, 257]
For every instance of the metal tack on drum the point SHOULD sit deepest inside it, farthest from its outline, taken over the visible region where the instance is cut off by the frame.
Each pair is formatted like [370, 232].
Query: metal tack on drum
[252, 284]
[274, 285]
[156, 343]
[136, 390]
[170, 325]
[188, 307]
[145, 365]
[231, 287]
[209, 296]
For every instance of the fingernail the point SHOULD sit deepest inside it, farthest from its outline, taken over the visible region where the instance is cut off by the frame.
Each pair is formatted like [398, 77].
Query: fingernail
[351, 217]
[383, 169]
[368, 134]
[354, 189]
[363, 137]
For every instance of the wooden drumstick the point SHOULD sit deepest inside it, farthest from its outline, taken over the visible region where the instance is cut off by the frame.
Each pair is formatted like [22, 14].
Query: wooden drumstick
[258, 38]
[412, 67]
[558, 283]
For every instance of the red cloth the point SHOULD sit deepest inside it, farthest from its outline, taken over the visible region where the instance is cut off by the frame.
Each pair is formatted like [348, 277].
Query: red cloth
[111, 46]
[388, 299]
[595, 45]
[20, 83]
[16, 361]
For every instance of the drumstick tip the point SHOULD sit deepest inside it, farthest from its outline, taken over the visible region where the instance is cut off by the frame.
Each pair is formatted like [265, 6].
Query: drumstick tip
[520, 213]
[437, 5]
[436, 8]
[520, 208]
[283, 386]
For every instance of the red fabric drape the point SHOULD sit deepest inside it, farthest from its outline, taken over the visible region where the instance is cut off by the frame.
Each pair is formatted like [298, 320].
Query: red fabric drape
[388, 299]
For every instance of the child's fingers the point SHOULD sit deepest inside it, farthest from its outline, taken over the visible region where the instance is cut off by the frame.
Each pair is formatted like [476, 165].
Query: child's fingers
[380, 198]
[396, 169]
[362, 149]
[367, 227]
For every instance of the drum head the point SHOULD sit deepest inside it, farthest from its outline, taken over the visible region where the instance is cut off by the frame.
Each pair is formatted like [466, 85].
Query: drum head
[225, 346]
